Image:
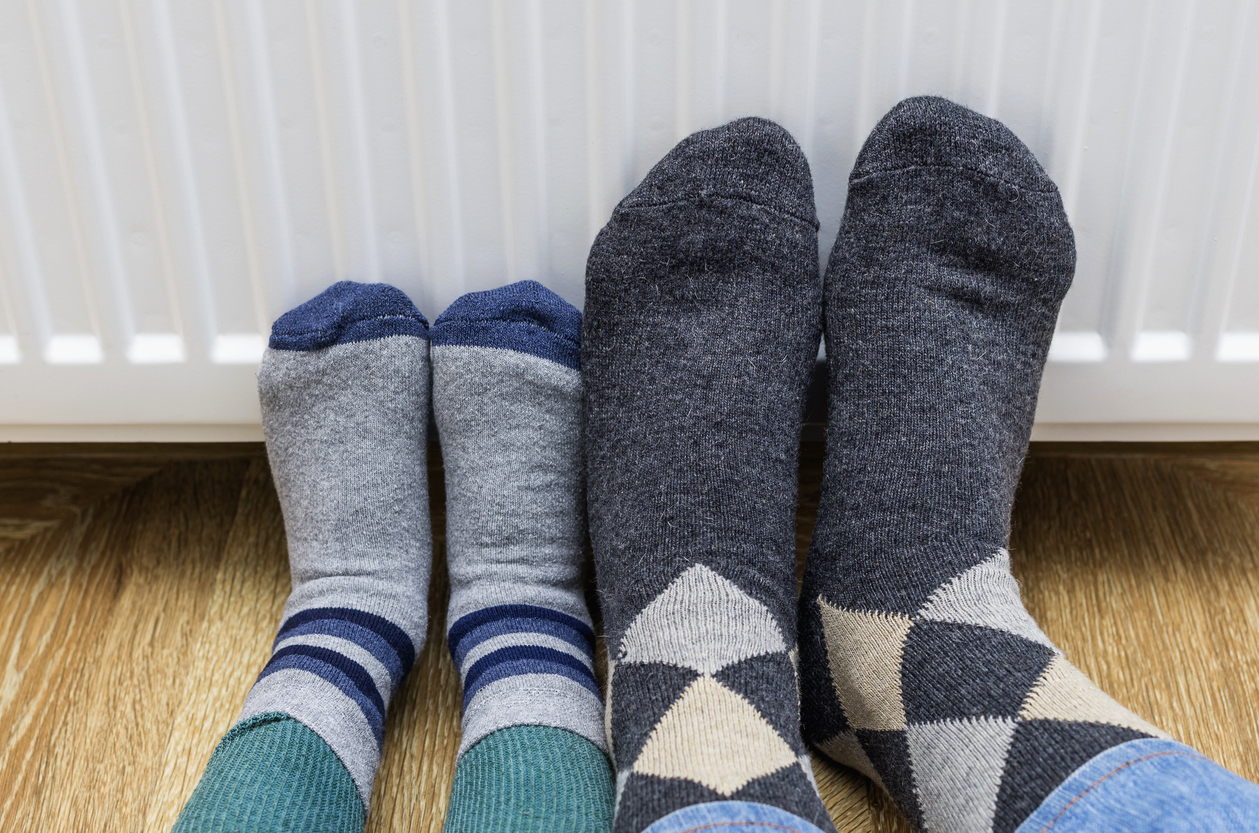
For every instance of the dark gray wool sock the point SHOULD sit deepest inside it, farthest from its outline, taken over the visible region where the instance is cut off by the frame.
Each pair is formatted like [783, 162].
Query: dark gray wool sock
[703, 310]
[920, 665]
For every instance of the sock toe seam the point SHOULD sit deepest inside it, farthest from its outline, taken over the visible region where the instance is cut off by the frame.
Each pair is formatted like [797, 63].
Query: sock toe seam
[650, 206]
[339, 329]
[528, 323]
[959, 168]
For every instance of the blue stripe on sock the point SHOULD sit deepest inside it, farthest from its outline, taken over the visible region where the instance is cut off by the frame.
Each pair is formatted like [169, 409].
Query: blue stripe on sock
[525, 659]
[346, 312]
[348, 676]
[476, 627]
[516, 625]
[357, 673]
[365, 638]
[393, 635]
[525, 317]
[487, 615]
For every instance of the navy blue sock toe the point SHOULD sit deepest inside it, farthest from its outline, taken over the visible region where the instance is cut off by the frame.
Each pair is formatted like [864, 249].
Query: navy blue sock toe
[348, 311]
[524, 316]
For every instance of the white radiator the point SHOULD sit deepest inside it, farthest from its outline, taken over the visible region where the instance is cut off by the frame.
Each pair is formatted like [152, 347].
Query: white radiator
[174, 175]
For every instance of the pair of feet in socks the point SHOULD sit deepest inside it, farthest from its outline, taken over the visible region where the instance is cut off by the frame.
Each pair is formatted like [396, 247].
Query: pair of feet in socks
[914, 657]
[345, 390]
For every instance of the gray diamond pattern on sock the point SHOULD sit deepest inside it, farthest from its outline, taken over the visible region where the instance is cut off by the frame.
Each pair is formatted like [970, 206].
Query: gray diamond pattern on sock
[918, 659]
[699, 337]
[957, 763]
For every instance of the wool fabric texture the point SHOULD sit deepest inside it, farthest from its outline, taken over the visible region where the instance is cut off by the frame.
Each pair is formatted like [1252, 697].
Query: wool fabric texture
[531, 779]
[507, 401]
[920, 665]
[701, 326]
[344, 388]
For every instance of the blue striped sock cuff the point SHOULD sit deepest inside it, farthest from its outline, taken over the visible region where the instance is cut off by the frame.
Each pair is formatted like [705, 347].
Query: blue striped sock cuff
[347, 312]
[525, 317]
[526, 665]
[334, 670]
[384, 640]
[364, 655]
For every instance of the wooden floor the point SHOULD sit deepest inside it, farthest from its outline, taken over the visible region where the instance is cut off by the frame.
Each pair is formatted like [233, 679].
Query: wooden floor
[140, 590]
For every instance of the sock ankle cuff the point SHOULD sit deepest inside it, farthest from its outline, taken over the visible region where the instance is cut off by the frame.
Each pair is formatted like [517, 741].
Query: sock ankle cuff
[347, 312]
[525, 317]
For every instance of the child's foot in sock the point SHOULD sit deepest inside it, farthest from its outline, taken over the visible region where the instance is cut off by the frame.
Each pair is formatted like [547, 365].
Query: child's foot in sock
[507, 398]
[344, 390]
[703, 312]
[920, 665]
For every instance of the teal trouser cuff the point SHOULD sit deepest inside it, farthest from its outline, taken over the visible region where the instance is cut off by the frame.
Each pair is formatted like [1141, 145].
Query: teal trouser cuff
[271, 774]
[531, 779]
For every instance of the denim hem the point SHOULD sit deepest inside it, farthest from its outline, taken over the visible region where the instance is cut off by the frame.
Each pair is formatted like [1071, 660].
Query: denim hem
[732, 817]
[1150, 785]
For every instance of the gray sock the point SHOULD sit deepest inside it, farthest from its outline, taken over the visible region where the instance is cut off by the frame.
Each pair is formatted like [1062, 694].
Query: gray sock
[701, 327]
[507, 398]
[920, 665]
[344, 389]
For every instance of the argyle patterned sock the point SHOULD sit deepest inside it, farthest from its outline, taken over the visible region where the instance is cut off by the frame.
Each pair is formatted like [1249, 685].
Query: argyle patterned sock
[920, 665]
[507, 399]
[344, 389]
[701, 327]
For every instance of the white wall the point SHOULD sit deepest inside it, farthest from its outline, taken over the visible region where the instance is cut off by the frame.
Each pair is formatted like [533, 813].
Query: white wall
[173, 175]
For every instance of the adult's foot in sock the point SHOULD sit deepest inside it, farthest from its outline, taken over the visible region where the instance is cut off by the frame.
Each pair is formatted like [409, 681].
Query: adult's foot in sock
[507, 399]
[701, 327]
[920, 665]
[344, 387]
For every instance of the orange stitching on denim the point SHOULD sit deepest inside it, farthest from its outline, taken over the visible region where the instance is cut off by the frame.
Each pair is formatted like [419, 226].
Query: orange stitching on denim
[1072, 802]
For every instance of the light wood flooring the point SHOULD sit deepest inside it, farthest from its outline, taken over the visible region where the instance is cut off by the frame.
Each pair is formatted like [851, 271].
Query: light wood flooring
[140, 588]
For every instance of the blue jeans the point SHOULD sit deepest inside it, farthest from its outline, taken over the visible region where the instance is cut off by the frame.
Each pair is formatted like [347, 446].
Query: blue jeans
[1148, 786]
[1143, 786]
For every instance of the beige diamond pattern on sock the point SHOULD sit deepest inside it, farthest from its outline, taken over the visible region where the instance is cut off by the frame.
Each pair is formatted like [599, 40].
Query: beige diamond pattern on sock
[1063, 693]
[957, 764]
[864, 651]
[710, 734]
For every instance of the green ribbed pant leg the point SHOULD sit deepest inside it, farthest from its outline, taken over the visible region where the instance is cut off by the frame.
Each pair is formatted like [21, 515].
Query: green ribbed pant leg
[531, 779]
[271, 774]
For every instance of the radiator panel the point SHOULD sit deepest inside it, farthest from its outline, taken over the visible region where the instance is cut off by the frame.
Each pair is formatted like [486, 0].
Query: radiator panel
[176, 175]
